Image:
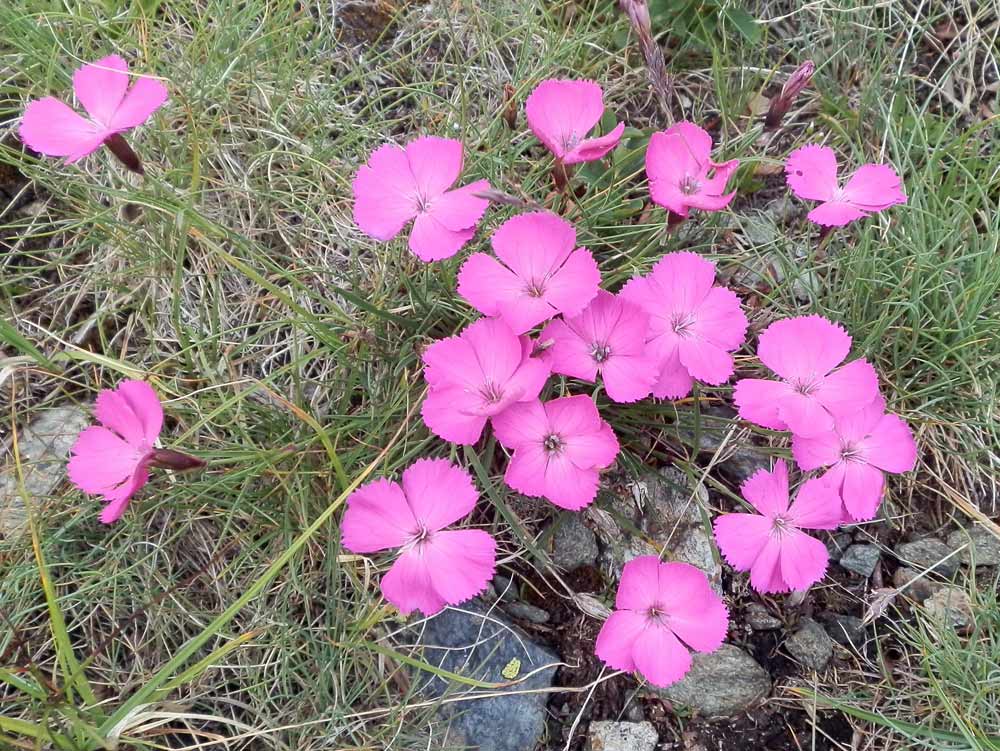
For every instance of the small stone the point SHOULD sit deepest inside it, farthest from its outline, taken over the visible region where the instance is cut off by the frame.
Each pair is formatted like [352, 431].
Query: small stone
[837, 543]
[481, 644]
[573, 544]
[43, 447]
[622, 736]
[810, 645]
[720, 683]
[744, 463]
[505, 587]
[847, 631]
[950, 606]
[759, 619]
[914, 585]
[860, 559]
[983, 547]
[928, 553]
[527, 612]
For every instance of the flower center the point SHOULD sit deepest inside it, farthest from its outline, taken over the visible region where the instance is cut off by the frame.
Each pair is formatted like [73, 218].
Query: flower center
[689, 185]
[569, 141]
[850, 453]
[552, 443]
[534, 289]
[491, 393]
[600, 352]
[423, 204]
[804, 386]
[656, 613]
[681, 323]
[781, 525]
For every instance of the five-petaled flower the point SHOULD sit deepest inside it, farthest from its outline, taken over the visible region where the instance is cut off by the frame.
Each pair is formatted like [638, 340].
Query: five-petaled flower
[858, 450]
[435, 566]
[662, 609]
[400, 184]
[608, 337]
[541, 275]
[559, 448]
[693, 325]
[681, 173]
[805, 352]
[771, 544]
[477, 375]
[562, 112]
[812, 174]
[52, 128]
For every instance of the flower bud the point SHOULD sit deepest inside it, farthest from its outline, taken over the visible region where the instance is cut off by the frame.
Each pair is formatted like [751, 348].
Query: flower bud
[792, 88]
[175, 460]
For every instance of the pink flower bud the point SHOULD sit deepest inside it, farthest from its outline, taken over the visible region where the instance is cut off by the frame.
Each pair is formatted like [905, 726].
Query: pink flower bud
[792, 88]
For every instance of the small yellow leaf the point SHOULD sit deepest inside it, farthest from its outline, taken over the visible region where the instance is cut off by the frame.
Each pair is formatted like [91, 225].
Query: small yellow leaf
[511, 669]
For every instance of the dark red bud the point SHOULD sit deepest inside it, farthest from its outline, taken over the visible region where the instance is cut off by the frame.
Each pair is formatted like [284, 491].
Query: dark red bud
[118, 146]
[510, 106]
[792, 88]
[175, 460]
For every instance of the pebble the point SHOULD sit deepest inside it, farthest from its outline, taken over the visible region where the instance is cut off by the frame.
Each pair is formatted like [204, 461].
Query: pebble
[917, 589]
[810, 645]
[720, 683]
[622, 736]
[847, 631]
[527, 612]
[860, 559]
[950, 606]
[984, 548]
[760, 619]
[927, 553]
[573, 544]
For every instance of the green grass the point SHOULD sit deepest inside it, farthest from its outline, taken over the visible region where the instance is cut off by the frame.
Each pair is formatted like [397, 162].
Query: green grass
[287, 344]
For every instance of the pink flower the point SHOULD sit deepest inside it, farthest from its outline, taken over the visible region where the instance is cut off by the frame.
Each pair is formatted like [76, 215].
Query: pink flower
[562, 112]
[112, 460]
[558, 449]
[681, 174]
[812, 174]
[477, 375]
[805, 353]
[662, 610]
[858, 449]
[541, 275]
[771, 544]
[397, 185]
[54, 129]
[693, 325]
[608, 337]
[435, 566]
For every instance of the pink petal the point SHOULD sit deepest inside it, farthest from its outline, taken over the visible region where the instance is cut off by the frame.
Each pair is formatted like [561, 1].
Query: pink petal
[145, 405]
[435, 164]
[616, 638]
[684, 281]
[591, 149]
[639, 587]
[101, 460]
[561, 112]
[525, 312]
[835, 214]
[526, 470]
[438, 492]
[715, 186]
[483, 281]
[522, 423]
[534, 245]
[816, 506]
[812, 172]
[803, 560]
[101, 86]
[683, 149]
[765, 573]
[849, 389]
[804, 415]
[116, 508]
[569, 354]
[741, 538]
[696, 614]
[720, 319]
[377, 518]
[855, 426]
[409, 587]
[891, 447]
[460, 209]
[874, 187]
[571, 287]
[432, 241]
[593, 450]
[757, 401]
[704, 361]
[674, 381]
[496, 349]
[659, 656]
[460, 563]
[820, 450]
[567, 485]
[448, 411]
[573, 415]
[629, 379]
[385, 193]
[862, 490]
[114, 412]
[145, 97]
[52, 128]
[803, 347]
[768, 491]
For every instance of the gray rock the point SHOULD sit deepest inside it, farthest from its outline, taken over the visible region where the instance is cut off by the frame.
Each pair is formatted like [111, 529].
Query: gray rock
[913, 584]
[744, 463]
[837, 543]
[573, 544]
[527, 612]
[928, 553]
[480, 646]
[721, 683]
[861, 559]
[622, 736]
[759, 619]
[847, 630]
[43, 447]
[505, 587]
[950, 606]
[984, 547]
[810, 645]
